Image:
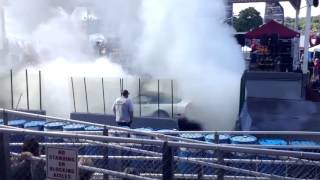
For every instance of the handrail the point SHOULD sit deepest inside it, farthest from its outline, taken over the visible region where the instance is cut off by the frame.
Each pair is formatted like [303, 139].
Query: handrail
[166, 135]
[152, 134]
[304, 133]
[79, 136]
[240, 149]
[100, 170]
[205, 146]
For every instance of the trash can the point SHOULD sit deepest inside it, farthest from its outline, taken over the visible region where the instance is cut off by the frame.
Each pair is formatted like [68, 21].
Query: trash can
[73, 127]
[304, 171]
[269, 168]
[116, 164]
[94, 149]
[141, 136]
[142, 166]
[18, 124]
[210, 138]
[36, 126]
[189, 167]
[167, 132]
[94, 128]
[16, 138]
[119, 133]
[54, 126]
[242, 140]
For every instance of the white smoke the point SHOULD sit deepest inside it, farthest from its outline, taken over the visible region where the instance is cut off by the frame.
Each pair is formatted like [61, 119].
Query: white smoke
[60, 49]
[186, 40]
[174, 39]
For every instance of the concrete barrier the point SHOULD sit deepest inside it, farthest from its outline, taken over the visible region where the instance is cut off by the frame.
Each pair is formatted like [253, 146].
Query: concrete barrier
[138, 122]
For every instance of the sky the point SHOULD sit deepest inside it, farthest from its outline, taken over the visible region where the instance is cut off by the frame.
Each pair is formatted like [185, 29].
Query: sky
[288, 9]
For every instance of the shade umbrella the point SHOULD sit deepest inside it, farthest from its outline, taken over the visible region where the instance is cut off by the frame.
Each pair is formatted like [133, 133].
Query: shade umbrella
[246, 48]
[315, 48]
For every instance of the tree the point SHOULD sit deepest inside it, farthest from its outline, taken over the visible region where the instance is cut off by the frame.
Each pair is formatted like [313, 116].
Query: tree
[248, 19]
[289, 22]
[315, 23]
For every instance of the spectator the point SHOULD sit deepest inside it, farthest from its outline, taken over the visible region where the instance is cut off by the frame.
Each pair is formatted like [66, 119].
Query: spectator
[317, 71]
[123, 109]
[132, 171]
[85, 174]
[254, 51]
[26, 168]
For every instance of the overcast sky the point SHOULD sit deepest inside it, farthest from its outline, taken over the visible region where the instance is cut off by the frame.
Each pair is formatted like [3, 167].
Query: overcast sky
[288, 9]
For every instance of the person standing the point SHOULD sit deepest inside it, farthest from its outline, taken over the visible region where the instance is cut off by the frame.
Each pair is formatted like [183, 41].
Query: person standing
[254, 50]
[25, 167]
[123, 109]
[317, 73]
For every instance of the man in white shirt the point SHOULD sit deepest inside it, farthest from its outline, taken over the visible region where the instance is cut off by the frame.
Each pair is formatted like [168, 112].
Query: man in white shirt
[123, 109]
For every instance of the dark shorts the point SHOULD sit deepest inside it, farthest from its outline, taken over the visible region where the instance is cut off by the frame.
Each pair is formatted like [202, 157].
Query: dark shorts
[124, 124]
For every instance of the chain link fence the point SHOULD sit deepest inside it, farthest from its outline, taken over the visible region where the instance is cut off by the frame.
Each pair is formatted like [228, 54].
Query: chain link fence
[106, 152]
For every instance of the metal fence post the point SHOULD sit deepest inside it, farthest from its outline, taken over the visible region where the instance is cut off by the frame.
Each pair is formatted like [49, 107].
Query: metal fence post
[73, 95]
[103, 96]
[220, 157]
[105, 157]
[167, 162]
[158, 98]
[4, 152]
[140, 97]
[86, 93]
[27, 89]
[200, 172]
[242, 97]
[40, 91]
[11, 88]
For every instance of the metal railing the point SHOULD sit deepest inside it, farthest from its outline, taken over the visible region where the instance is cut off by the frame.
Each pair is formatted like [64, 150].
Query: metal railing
[100, 87]
[166, 157]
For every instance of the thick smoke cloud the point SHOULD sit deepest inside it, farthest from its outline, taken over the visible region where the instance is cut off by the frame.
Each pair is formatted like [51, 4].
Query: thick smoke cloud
[174, 39]
[186, 40]
[47, 35]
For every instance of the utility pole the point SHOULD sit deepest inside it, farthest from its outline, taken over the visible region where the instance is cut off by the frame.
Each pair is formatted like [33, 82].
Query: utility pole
[319, 26]
[3, 37]
[307, 37]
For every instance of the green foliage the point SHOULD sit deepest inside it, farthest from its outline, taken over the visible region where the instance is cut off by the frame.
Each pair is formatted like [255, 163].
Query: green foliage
[248, 19]
[315, 23]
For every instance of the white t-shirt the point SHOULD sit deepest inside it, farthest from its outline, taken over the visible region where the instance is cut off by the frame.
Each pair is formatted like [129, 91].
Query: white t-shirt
[123, 107]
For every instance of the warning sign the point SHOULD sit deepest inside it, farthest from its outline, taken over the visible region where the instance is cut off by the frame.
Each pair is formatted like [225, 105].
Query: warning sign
[62, 164]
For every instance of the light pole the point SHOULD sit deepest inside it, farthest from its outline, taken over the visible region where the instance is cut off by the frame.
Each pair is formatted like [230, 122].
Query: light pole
[307, 37]
[3, 37]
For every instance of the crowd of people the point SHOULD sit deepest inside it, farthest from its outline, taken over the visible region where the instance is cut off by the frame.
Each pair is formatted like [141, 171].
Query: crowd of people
[264, 57]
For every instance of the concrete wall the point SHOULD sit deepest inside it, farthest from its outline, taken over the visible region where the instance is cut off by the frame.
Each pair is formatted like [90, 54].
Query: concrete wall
[155, 123]
[281, 115]
[275, 85]
[15, 116]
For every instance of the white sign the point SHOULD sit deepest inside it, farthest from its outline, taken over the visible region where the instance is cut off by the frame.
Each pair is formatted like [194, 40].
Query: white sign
[62, 164]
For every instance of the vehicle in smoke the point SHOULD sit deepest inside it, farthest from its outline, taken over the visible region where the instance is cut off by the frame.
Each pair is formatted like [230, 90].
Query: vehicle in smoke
[150, 100]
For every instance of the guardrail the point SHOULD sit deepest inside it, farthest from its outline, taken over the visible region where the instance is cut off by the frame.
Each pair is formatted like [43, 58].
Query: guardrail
[168, 157]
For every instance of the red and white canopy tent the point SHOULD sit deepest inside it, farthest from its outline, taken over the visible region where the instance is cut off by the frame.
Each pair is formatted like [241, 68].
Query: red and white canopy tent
[270, 28]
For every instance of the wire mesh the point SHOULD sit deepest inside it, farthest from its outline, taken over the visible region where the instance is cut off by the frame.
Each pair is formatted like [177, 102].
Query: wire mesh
[117, 160]
[141, 159]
